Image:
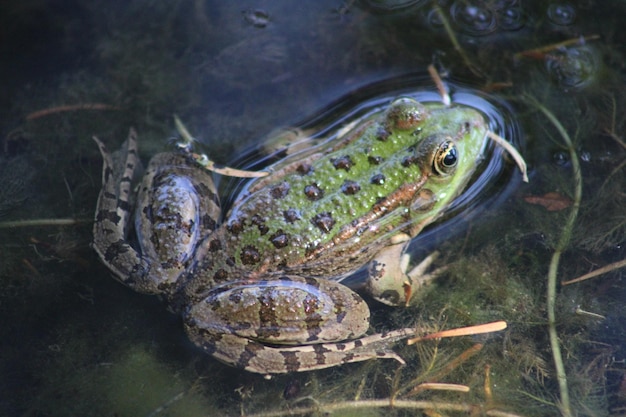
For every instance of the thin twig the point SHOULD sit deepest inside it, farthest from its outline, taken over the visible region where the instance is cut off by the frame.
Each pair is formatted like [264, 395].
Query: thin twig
[541, 51]
[42, 222]
[517, 157]
[462, 331]
[68, 108]
[404, 404]
[455, 42]
[599, 271]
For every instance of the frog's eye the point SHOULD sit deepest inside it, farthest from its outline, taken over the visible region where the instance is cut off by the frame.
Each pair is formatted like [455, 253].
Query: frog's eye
[445, 158]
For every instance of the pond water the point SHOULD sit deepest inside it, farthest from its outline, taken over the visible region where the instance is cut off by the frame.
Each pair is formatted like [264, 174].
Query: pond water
[549, 76]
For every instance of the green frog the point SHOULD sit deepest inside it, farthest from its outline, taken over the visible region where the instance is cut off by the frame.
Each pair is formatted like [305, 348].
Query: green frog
[260, 288]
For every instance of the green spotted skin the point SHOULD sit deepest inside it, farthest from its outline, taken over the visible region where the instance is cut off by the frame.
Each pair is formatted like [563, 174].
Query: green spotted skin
[259, 290]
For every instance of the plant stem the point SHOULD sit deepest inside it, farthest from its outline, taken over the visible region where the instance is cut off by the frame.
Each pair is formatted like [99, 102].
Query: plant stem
[556, 256]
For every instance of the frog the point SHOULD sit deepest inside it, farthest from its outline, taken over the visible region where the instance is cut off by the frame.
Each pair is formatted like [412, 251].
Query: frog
[260, 286]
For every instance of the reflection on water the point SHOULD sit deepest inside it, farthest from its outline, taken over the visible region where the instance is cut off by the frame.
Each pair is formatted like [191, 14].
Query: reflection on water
[74, 342]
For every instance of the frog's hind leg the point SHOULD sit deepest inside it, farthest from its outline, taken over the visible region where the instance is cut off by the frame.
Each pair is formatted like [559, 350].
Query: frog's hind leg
[253, 356]
[112, 220]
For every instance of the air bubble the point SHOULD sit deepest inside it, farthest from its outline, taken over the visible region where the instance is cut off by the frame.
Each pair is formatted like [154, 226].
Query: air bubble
[562, 14]
[473, 19]
[572, 67]
[511, 18]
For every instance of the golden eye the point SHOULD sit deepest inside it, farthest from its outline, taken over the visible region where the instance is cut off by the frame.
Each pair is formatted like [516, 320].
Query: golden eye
[445, 159]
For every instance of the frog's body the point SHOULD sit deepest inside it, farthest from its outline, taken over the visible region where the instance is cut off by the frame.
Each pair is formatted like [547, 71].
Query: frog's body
[259, 289]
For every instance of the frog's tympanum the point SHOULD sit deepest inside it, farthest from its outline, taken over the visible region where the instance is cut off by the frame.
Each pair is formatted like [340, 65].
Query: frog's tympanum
[260, 289]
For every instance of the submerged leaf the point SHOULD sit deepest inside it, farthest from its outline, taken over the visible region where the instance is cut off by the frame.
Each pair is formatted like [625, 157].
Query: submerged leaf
[550, 201]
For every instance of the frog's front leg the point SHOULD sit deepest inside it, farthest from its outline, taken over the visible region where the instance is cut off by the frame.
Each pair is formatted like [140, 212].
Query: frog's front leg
[286, 324]
[388, 278]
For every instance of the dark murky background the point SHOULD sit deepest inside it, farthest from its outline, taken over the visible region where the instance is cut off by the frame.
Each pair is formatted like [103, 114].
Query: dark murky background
[75, 342]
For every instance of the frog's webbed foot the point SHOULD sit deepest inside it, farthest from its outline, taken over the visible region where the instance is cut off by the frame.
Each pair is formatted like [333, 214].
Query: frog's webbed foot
[111, 223]
[389, 280]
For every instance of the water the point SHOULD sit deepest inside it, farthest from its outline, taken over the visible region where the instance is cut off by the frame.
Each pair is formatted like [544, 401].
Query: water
[75, 342]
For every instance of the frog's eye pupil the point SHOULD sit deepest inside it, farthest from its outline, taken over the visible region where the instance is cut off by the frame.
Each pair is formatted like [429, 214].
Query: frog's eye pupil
[449, 159]
[446, 158]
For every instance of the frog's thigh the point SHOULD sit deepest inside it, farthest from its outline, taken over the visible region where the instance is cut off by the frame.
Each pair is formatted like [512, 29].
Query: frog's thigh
[285, 310]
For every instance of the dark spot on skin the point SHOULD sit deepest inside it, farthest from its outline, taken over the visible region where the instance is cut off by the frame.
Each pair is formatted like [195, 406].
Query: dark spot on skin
[235, 296]
[374, 160]
[358, 343]
[250, 255]
[109, 196]
[108, 172]
[235, 226]
[250, 352]
[377, 179]
[215, 245]
[280, 190]
[220, 276]
[230, 261]
[382, 134]
[350, 187]
[340, 316]
[111, 216]
[343, 162]
[124, 205]
[259, 222]
[292, 364]
[115, 249]
[304, 169]
[324, 221]
[291, 215]
[200, 289]
[206, 193]
[279, 239]
[348, 358]
[312, 282]
[320, 354]
[313, 192]
[407, 161]
[208, 222]
[340, 346]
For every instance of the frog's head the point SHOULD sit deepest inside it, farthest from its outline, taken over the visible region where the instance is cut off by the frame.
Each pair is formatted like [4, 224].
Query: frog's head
[448, 144]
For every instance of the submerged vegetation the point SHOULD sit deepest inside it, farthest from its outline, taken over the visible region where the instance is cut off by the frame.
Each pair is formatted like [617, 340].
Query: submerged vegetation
[74, 342]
